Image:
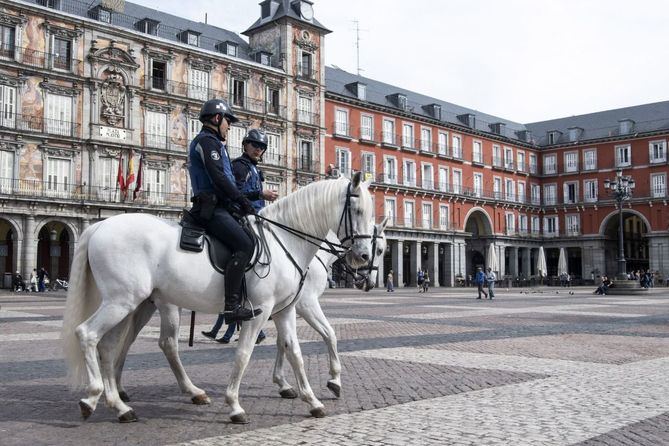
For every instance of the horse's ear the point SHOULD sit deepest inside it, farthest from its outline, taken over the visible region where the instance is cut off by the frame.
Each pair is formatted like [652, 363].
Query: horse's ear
[383, 224]
[356, 180]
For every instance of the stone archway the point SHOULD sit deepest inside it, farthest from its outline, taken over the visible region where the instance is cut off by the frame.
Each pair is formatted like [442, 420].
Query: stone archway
[479, 225]
[54, 249]
[635, 230]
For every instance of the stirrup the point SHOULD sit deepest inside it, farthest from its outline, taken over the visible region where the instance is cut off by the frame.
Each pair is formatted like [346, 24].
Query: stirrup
[240, 314]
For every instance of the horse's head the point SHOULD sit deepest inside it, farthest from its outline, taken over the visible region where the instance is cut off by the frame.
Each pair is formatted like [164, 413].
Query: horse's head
[366, 279]
[354, 230]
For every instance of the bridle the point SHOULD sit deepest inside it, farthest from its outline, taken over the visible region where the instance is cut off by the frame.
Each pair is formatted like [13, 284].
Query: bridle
[357, 276]
[347, 220]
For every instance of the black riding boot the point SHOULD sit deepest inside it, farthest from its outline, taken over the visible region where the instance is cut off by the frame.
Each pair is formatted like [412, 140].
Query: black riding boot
[234, 274]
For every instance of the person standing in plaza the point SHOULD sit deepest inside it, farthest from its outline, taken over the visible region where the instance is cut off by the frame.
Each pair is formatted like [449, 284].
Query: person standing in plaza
[420, 277]
[389, 282]
[491, 278]
[41, 276]
[480, 281]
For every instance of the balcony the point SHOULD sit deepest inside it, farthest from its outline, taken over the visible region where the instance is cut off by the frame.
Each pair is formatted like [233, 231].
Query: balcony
[183, 89]
[658, 191]
[497, 162]
[307, 164]
[442, 150]
[274, 160]
[533, 168]
[307, 117]
[306, 73]
[456, 153]
[342, 130]
[156, 141]
[477, 158]
[509, 165]
[366, 135]
[385, 178]
[389, 139]
[38, 59]
[38, 124]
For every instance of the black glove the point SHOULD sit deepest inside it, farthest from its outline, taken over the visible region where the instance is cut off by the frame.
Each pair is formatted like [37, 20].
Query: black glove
[246, 206]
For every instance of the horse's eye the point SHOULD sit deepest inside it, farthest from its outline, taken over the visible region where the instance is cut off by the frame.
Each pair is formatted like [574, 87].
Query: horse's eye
[379, 252]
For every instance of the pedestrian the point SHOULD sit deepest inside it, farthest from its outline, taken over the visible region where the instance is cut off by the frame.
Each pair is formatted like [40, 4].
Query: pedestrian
[426, 281]
[390, 287]
[568, 279]
[42, 275]
[18, 283]
[420, 277]
[491, 278]
[480, 281]
[33, 280]
[603, 288]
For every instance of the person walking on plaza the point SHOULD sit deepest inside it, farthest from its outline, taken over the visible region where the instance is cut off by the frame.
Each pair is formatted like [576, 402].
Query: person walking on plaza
[41, 276]
[389, 282]
[33, 280]
[420, 277]
[491, 278]
[480, 280]
[426, 281]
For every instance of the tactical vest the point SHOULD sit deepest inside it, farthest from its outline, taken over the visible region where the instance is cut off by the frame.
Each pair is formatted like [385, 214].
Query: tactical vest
[252, 182]
[200, 180]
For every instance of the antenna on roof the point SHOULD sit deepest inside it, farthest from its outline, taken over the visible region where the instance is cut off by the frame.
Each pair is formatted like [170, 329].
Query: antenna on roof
[357, 44]
[205, 18]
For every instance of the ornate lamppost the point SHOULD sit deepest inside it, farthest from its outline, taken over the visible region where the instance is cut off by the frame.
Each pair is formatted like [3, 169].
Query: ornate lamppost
[621, 188]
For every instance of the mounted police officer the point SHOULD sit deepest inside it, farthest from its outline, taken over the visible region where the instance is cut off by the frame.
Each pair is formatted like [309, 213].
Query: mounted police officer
[247, 174]
[218, 204]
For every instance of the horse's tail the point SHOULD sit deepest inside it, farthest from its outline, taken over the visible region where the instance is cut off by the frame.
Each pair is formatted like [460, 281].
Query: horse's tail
[83, 299]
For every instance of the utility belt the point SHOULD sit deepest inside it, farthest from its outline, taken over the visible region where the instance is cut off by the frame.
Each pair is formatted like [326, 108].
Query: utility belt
[206, 202]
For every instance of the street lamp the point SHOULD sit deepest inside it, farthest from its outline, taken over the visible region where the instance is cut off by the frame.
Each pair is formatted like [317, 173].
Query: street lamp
[621, 187]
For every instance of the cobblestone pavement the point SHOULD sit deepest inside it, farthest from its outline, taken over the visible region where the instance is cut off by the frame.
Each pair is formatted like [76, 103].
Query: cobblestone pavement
[528, 368]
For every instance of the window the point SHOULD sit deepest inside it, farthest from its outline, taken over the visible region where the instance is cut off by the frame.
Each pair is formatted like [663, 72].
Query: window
[62, 53]
[570, 192]
[510, 223]
[443, 179]
[305, 161]
[367, 167]
[7, 106]
[590, 191]
[496, 156]
[108, 178]
[158, 75]
[510, 188]
[535, 190]
[623, 155]
[148, 26]
[304, 69]
[477, 152]
[427, 215]
[155, 186]
[362, 91]
[304, 110]
[535, 225]
[264, 58]
[231, 49]
[457, 147]
[497, 188]
[658, 151]
[234, 141]
[572, 224]
[443, 217]
[658, 184]
[59, 114]
[6, 171]
[521, 192]
[390, 170]
[194, 127]
[199, 85]
[409, 173]
[550, 164]
[390, 210]
[388, 131]
[58, 175]
[402, 101]
[550, 194]
[522, 224]
[341, 122]
[590, 159]
[426, 140]
[508, 158]
[443, 143]
[191, 38]
[367, 128]
[239, 92]
[408, 214]
[428, 177]
[521, 161]
[457, 181]
[156, 129]
[571, 162]
[533, 163]
[407, 135]
[551, 226]
[478, 184]
[103, 15]
[7, 41]
[273, 101]
[272, 155]
[343, 161]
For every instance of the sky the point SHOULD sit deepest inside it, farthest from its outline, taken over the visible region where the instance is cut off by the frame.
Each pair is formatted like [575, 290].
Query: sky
[521, 60]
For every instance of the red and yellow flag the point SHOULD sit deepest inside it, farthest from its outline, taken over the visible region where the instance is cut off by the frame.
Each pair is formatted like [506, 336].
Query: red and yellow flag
[130, 176]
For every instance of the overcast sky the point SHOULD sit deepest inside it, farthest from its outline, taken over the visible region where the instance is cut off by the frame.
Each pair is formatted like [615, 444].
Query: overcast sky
[522, 60]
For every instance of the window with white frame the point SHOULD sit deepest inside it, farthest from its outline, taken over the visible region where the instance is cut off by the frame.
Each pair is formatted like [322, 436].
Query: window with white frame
[199, 84]
[7, 41]
[496, 155]
[341, 122]
[58, 114]
[550, 164]
[428, 177]
[443, 179]
[571, 162]
[235, 137]
[533, 163]
[239, 94]
[521, 192]
[590, 159]
[457, 146]
[457, 181]
[443, 217]
[409, 173]
[367, 128]
[426, 139]
[194, 127]
[570, 190]
[6, 171]
[390, 170]
[343, 161]
[535, 193]
[61, 51]
[155, 185]
[573, 224]
[388, 136]
[657, 151]
[590, 191]
[108, 177]
[7, 106]
[58, 177]
[508, 157]
[477, 151]
[550, 194]
[272, 154]
[156, 129]
[409, 214]
[368, 164]
[497, 188]
[510, 190]
[390, 211]
[427, 215]
[535, 222]
[658, 185]
[273, 100]
[304, 108]
[443, 143]
[522, 224]
[306, 156]
[510, 223]
[623, 155]
[478, 184]
[521, 161]
[551, 226]
[407, 135]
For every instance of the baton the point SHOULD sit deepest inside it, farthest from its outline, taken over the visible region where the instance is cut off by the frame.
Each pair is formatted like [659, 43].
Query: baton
[192, 328]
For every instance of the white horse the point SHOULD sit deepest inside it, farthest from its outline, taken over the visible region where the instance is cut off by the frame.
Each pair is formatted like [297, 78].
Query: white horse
[121, 262]
[123, 335]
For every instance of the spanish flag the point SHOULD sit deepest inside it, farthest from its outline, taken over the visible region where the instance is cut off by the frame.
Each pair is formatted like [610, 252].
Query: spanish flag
[119, 175]
[130, 176]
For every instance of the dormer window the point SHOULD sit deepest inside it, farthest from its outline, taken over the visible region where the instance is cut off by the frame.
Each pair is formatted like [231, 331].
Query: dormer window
[53, 4]
[229, 48]
[468, 119]
[524, 135]
[264, 58]
[575, 133]
[148, 26]
[358, 89]
[433, 110]
[626, 126]
[265, 9]
[553, 136]
[402, 101]
[190, 37]
[100, 14]
[498, 128]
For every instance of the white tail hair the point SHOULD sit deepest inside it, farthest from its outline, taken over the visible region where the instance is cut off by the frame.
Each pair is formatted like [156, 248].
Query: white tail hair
[83, 299]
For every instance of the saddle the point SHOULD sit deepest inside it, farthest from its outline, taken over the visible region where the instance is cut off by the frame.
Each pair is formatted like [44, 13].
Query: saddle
[194, 237]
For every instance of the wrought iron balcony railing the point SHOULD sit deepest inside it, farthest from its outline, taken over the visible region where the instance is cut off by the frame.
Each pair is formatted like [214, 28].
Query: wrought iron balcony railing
[38, 124]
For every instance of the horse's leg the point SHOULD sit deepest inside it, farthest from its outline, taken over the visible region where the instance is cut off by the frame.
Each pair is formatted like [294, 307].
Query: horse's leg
[108, 352]
[170, 320]
[247, 340]
[89, 333]
[310, 309]
[287, 334]
[285, 389]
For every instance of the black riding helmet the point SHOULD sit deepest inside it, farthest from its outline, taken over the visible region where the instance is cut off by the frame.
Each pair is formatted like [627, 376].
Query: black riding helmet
[215, 107]
[256, 136]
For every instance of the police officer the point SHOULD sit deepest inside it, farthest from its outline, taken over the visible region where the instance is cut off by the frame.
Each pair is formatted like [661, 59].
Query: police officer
[218, 204]
[245, 168]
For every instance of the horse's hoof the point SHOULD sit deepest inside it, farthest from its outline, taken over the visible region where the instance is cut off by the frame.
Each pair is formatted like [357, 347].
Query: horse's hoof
[334, 388]
[86, 410]
[201, 400]
[288, 394]
[318, 412]
[128, 417]
[240, 418]
[124, 396]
